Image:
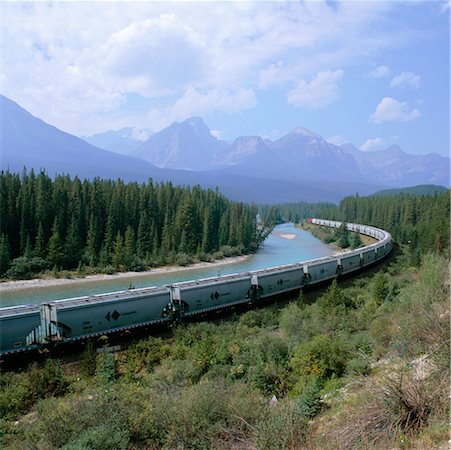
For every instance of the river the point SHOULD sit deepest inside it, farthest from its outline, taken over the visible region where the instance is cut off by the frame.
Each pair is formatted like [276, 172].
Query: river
[285, 245]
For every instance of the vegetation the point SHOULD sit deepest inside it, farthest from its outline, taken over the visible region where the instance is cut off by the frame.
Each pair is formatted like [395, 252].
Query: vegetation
[420, 222]
[107, 226]
[365, 364]
[421, 189]
[295, 212]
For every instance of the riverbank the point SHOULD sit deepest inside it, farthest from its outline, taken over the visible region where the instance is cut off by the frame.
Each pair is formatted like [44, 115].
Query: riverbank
[17, 285]
[323, 235]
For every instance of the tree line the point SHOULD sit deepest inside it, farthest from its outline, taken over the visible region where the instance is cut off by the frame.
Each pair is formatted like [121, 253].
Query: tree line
[419, 221]
[67, 223]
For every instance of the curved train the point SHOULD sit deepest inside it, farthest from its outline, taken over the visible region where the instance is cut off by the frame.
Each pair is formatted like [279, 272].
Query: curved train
[29, 327]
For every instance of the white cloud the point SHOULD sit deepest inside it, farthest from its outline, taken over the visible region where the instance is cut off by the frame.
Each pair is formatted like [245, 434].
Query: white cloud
[216, 133]
[153, 57]
[319, 92]
[406, 80]
[391, 110]
[196, 103]
[337, 139]
[371, 144]
[380, 72]
[274, 74]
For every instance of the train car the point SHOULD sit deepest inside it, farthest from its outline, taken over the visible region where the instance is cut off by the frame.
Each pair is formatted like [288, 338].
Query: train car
[17, 327]
[322, 269]
[368, 256]
[349, 262]
[278, 280]
[81, 317]
[199, 296]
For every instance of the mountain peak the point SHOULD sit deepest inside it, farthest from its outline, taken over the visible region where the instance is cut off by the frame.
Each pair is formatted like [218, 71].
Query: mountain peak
[304, 132]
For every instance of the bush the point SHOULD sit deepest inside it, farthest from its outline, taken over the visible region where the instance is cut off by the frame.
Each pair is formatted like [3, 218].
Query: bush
[182, 259]
[283, 426]
[101, 437]
[323, 356]
[23, 267]
[106, 370]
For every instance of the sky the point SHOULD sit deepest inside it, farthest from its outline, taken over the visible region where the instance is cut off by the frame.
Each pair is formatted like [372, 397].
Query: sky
[371, 73]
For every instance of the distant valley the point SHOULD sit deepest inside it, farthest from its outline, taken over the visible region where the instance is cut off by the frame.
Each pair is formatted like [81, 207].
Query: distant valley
[299, 166]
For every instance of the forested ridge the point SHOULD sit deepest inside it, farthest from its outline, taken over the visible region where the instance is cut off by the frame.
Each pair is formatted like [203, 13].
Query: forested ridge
[66, 223]
[419, 221]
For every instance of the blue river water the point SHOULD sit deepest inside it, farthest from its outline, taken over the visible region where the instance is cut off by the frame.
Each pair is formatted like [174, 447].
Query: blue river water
[285, 245]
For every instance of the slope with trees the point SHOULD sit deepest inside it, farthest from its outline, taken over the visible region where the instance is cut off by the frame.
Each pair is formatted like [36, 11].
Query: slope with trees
[107, 225]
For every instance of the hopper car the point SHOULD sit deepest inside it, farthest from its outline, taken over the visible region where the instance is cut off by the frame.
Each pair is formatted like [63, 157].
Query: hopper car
[30, 327]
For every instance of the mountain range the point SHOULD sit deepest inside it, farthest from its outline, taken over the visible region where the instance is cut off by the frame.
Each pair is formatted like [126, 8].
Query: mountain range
[299, 166]
[299, 155]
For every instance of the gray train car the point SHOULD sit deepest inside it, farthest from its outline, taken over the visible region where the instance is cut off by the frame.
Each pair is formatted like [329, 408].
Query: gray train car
[368, 257]
[321, 269]
[278, 280]
[350, 262]
[207, 294]
[87, 316]
[19, 325]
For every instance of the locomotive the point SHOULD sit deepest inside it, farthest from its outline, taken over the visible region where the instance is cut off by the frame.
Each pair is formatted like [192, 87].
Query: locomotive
[30, 327]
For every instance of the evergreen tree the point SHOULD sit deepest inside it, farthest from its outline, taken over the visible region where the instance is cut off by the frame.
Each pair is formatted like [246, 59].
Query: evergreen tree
[5, 259]
[356, 241]
[118, 255]
[129, 247]
[55, 253]
[40, 244]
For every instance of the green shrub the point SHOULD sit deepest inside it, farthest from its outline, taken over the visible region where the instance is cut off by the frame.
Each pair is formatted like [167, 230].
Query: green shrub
[283, 426]
[106, 370]
[101, 437]
[24, 267]
[323, 356]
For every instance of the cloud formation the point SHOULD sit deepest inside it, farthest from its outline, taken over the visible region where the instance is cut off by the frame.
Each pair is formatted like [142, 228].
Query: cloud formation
[380, 72]
[391, 110]
[319, 92]
[371, 144]
[406, 80]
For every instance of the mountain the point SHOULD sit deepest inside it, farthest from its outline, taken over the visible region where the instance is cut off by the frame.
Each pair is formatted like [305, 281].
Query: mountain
[249, 155]
[393, 166]
[308, 156]
[186, 145]
[422, 189]
[27, 141]
[122, 141]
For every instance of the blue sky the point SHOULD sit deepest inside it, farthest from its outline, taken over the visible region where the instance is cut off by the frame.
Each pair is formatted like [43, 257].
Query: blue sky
[368, 72]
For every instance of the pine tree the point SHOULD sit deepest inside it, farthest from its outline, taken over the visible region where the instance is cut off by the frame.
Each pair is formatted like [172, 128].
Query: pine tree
[118, 255]
[55, 252]
[5, 259]
[40, 245]
[129, 247]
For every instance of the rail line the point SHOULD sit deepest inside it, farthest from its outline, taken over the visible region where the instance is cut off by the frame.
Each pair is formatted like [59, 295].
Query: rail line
[30, 327]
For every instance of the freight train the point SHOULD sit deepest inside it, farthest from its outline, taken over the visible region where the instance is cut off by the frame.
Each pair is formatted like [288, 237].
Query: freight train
[29, 327]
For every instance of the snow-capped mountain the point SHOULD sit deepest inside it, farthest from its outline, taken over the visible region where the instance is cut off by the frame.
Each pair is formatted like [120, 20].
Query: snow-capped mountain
[122, 141]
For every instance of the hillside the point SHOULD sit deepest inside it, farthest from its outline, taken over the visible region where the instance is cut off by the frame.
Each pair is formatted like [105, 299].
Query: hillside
[424, 189]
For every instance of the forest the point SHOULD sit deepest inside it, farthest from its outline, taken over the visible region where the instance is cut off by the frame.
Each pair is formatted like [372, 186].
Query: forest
[108, 226]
